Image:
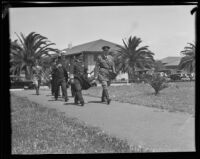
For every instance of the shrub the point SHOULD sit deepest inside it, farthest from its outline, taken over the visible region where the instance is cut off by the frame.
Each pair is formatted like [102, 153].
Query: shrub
[146, 77]
[157, 82]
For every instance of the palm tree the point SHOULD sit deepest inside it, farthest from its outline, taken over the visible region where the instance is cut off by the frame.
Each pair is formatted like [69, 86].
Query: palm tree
[131, 57]
[46, 63]
[26, 50]
[188, 61]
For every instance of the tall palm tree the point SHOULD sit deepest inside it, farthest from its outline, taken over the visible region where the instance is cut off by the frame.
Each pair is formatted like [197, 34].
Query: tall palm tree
[188, 61]
[46, 63]
[131, 56]
[25, 51]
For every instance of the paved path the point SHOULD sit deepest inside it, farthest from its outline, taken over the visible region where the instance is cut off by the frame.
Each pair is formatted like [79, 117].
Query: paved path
[140, 125]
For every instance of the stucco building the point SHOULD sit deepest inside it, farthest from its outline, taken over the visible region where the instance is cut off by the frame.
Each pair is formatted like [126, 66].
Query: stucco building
[90, 52]
[171, 64]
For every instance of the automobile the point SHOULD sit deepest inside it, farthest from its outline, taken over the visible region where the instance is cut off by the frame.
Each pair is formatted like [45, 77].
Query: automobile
[20, 82]
[175, 77]
[186, 77]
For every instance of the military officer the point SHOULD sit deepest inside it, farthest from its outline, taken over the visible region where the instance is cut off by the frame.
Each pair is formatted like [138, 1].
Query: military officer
[105, 72]
[61, 78]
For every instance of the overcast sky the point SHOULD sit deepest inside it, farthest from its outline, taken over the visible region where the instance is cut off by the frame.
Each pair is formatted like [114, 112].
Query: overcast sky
[165, 29]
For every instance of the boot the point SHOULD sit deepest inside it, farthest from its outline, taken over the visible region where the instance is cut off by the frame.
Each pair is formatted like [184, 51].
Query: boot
[107, 96]
[66, 99]
[82, 103]
[75, 99]
[103, 97]
[37, 91]
[80, 97]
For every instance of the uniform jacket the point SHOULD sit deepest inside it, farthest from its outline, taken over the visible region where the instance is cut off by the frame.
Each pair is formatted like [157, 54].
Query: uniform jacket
[104, 68]
[60, 73]
[79, 74]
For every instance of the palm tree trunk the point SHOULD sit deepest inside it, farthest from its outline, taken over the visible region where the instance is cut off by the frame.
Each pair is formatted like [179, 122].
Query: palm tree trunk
[129, 76]
[28, 73]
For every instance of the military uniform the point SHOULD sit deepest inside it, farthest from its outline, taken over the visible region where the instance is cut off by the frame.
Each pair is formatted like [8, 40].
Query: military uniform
[105, 72]
[80, 83]
[61, 78]
[37, 73]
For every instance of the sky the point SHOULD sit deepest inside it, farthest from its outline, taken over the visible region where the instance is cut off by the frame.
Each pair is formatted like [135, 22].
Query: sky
[165, 29]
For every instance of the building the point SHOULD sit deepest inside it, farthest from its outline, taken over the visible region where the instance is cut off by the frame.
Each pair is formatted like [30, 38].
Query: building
[171, 64]
[89, 52]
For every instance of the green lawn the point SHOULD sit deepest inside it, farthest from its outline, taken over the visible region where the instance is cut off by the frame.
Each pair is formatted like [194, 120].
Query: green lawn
[39, 130]
[179, 96]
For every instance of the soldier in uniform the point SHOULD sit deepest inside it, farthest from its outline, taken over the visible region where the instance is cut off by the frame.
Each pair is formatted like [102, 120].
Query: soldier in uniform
[76, 84]
[61, 78]
[105, 72]
[37, 73]
[80, 81]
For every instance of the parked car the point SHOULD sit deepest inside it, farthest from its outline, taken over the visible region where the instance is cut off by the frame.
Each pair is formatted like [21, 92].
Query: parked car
[186, 77]
[175, 77]
[21, 82]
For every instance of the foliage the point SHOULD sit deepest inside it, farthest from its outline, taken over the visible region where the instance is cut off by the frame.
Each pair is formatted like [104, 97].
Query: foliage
[157, 82]
[146, 77]
[26, 50]
[158, 65]
[188, 61]
[130, 57]
[46, 63]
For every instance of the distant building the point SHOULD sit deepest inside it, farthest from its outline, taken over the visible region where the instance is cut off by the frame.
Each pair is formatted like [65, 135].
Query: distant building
[90, 51]
[171, 64]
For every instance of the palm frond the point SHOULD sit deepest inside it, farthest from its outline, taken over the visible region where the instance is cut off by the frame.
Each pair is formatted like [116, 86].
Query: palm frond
[31, 47]
[131, 55]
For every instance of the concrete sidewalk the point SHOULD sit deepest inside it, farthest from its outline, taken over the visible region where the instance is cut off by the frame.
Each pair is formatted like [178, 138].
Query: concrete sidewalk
[151, 127]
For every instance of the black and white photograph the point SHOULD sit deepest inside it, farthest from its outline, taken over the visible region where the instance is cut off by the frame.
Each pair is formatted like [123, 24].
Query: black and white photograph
[102, 79]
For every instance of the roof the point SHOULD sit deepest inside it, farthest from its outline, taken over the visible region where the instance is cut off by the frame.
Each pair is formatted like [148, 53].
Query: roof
[171, 60]
[94, 47]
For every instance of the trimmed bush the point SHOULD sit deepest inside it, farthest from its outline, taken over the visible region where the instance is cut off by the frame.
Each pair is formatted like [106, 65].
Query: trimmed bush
[157, 82]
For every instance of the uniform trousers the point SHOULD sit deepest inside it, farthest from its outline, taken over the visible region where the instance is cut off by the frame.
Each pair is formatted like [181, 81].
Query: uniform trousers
[105, 95]
[77, 91]
[62, 83]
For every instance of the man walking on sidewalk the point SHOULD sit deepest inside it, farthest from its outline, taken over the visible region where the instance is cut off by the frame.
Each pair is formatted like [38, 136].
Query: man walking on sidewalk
[61, 78]
[105, 72]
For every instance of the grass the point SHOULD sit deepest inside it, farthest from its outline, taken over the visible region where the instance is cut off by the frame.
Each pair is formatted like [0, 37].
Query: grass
[40, 130]
[178, 96]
